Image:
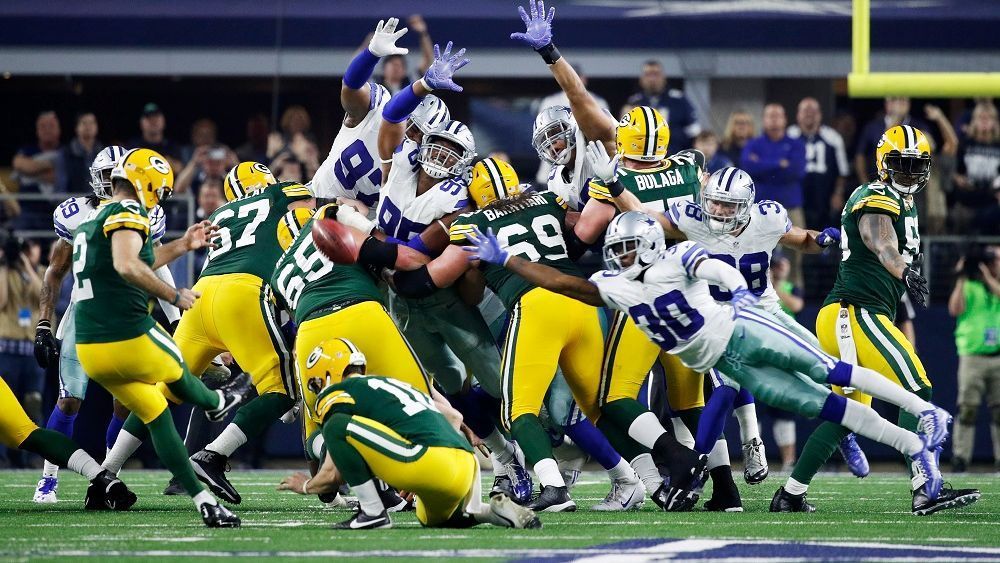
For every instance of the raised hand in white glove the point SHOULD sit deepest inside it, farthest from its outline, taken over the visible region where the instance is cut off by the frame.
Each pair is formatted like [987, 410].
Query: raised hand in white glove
[384, 39]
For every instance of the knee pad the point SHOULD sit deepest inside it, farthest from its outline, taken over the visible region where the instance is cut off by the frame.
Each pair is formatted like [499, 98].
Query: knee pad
[967, 414]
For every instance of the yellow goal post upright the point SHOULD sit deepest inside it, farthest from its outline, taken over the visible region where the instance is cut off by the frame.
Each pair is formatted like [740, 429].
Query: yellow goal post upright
[861, 83]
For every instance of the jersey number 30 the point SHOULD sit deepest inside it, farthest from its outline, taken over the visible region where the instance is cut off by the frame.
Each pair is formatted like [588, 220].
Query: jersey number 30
[670, 318]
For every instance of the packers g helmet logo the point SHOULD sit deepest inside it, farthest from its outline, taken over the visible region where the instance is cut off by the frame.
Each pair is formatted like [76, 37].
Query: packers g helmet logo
[626, 120]
[314, 357]
[261, 168]
[159, 164]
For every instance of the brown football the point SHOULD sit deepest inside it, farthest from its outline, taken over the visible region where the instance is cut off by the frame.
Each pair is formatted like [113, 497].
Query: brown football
[335, 241]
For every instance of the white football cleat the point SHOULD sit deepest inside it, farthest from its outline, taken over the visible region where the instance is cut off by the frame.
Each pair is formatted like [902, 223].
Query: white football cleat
[45, 492]
[754, 462]
[625, 494]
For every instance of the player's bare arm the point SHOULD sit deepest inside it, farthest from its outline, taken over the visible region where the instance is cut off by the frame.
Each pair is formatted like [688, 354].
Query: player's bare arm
[326, 480]
[199, 235]
[803, 240]
[125, 248]
[879, 236]
[60, 259]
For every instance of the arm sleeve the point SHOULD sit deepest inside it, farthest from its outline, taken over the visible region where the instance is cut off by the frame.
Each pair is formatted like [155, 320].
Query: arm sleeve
[719, 273]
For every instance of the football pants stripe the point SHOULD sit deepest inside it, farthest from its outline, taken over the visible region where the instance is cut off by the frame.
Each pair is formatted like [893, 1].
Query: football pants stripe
[888, 349]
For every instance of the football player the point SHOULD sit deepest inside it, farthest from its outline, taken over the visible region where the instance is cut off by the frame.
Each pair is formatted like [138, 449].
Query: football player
[106, 491]
[235, 313]
[377, 426]
[352, 170]
[734, 228]
[544, 330]
[666, 292]
[881, 261]
[61, 354]
[118, 343]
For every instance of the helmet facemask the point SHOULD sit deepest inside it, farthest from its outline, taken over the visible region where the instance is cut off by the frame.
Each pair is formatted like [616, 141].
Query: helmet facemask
[555, 142]
[906, 173]
[724, 215]
[441, 158]
[100, 182]
[633, 243]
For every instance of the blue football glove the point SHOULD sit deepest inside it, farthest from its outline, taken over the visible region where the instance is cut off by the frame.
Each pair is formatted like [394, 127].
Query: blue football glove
[439, 74]
[829, 237]
[486, 247]
[538, 32]
[742, 299]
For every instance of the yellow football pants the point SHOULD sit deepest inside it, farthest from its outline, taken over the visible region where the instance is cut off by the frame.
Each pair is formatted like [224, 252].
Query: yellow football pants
[629, 356]
[235, 313]
[370, 328]
[15, 426]
[547, 329]
[441, 477]
[131, 369]
[879, 344]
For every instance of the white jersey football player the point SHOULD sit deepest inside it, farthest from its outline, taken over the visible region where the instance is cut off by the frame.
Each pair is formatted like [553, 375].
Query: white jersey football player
[352, 169]
[72, 379]
[555, 137]
[666, 292]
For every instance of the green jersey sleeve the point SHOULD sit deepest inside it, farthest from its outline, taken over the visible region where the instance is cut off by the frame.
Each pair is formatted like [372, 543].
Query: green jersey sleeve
[127, 214]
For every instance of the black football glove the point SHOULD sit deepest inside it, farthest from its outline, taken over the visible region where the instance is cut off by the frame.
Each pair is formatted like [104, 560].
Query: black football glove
[46, 347]
[916, 283]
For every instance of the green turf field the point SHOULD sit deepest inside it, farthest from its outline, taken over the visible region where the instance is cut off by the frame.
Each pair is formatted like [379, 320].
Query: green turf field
[873, 510]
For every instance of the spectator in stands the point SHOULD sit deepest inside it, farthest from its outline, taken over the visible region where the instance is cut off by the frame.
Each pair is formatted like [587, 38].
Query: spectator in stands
[211, 196]
[287, 168]
[790, 299]
[824, 186]
[708, 143]
[20, 287]
[777, 164]
[977, 175]
[739, 129]
[152, 127]
[255, 147]
[35, 170]
[672, 103]
[213, 161]
[295, 140]
[975, 302]
[897, 112]
[204, 133]
[75, 159]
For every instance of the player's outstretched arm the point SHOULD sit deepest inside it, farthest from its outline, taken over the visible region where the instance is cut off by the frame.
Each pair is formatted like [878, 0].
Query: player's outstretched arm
[326, 480]
[719, 273]
[486, 247]
[439, 273]
[809, 241]
[125, 247]
[879, 236]
[199, 235]
[355, 91]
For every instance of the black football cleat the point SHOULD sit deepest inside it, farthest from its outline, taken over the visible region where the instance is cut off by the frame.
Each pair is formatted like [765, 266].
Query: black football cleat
[108, 492]
[725, 494]
[218, 516]
[391, 499]
[552, 499]
[362, 521]
[174, 488]
[211, 467]
[946, 499]
[784, 501]
[233, 393]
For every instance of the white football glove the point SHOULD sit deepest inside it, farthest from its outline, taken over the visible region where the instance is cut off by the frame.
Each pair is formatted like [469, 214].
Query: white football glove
[348, 215]
[384, 39]
[604, 167]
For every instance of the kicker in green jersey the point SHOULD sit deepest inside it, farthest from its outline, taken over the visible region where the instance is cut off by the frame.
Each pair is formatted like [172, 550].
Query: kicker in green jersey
[529, 225]
[108, 308]
[678, 179]
[862, 280]
[248, 239]
[307, 281]
[396, 404]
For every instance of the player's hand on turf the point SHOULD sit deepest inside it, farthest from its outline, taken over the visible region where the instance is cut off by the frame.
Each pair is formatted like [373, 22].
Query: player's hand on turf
[829, 237]
[742, 299]
[384, 39]
[486, 247]
[605, 167]
[46, 347]
[916, 283]
[538, 25]
[293, 482]
[186, 298]
[439, 74]
[471, 436]
[200, 235]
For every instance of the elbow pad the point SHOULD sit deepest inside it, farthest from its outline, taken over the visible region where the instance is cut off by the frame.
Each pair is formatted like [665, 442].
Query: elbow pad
[574, 246]
[376, 254]
[416, 283]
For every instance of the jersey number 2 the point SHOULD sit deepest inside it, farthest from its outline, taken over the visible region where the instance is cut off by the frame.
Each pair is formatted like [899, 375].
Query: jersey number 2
[84, 289]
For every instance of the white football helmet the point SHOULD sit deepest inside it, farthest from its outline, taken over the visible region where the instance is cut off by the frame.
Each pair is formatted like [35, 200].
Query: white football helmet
[630, 232]
[442, 161]
[726, 200]
[554, 124]
[429, 115]
[100, 170]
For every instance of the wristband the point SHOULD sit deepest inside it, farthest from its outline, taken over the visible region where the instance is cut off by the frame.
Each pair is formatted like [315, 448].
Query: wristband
[616, 188]
[177, 298]
[549, 53]
[305, 486]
